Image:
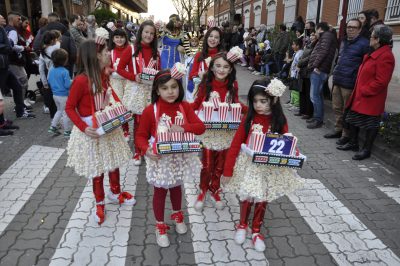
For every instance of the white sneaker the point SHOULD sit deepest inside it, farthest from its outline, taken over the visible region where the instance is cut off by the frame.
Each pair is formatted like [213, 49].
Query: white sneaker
[46, 110]
[180, 226]
[257, 73]
[216, 199]
[258, 242]
[198, 205]
[137, 159]
[124, 198]
[243, 64]
[27, 103]
[251, 68]
[31, 102]
[161, 235]
[240, 234]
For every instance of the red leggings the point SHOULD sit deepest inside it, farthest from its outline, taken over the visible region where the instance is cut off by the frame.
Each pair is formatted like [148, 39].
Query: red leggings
[98, 188]
[159, 196]
[213, 167]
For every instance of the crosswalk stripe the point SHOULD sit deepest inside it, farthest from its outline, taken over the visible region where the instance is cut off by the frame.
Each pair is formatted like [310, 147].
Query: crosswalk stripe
[22, 178]
[213, 232]
[391, 191]
[347, 239]
[87, 243]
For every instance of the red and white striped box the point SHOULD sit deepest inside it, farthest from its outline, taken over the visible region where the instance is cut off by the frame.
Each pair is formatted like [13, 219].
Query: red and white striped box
[223, 109]
[163, 137]
[178, 120]
[176, 73]
[232, 57]
[216, 101]
[176, 136]
[256, 142]
[207, 111]
[236, 110]
[188, 136]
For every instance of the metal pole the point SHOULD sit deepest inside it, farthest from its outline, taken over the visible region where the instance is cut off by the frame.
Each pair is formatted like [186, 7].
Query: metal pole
[318, 11]
[342, 28]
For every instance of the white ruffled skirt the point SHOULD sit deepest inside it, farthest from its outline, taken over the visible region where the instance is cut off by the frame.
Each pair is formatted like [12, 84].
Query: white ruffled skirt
[261, 182]
[172, 169]
[91, 157]
[217, 140]
[119, 85]
[137, 96]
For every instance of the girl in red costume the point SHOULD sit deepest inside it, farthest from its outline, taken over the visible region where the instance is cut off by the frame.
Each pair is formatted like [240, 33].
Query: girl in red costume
[219, 81]
[89, 153]
[166, 172]
[253, 183]
[211, 46]
[118, 44]
[143, 54]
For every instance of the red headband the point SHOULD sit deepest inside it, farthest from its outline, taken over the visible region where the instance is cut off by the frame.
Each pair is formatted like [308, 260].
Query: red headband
[168, 73]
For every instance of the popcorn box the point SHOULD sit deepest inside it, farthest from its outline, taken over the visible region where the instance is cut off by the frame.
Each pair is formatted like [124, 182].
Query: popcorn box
[223, 111]
[208, 111]
[176, 136]
[236, 112]
[188, 136]
[178, 121]
[232, 57]
[176, 73]
[163, 137]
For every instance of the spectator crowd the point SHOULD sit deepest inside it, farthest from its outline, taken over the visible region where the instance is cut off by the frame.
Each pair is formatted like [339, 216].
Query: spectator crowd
[361, 64]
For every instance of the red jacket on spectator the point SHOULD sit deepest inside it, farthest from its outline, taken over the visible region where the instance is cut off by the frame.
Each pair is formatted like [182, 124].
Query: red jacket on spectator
[373, 78]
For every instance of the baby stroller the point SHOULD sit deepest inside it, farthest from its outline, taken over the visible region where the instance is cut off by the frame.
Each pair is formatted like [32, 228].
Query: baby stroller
[32, 68]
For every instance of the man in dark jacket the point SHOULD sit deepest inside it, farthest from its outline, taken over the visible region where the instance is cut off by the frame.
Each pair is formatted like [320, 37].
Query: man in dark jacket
[54, 24]
[280, 46]
[351, 54]
[320, 64]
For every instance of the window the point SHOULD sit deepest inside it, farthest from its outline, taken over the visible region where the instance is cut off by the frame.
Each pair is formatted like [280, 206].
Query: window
[257, 16]
[290, 12]
[354, 7]
[247, 18]
[312, 6]
[271, 8]
[393, 10]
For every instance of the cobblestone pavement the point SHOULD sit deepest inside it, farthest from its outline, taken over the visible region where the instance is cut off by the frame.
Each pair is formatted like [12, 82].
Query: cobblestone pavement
[347, 214]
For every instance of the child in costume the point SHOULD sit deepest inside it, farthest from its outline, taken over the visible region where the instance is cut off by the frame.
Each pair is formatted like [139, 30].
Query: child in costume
[192, 44]
[143, 55]
[218, 82]
[166, 172]
[172, 44]
[89, 153]
[253, 183]
[212, 45]
[118, 44]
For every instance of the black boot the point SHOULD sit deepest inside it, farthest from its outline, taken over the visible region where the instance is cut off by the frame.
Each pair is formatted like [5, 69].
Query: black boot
[353, 143]
[369, 141]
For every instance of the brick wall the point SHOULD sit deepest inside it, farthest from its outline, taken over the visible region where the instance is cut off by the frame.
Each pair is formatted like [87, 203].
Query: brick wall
[280, 12]
[330, 10]
[302, 11]
[378, 5]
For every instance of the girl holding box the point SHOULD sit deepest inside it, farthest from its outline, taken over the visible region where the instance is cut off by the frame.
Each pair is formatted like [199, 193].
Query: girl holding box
[166, 172]
[219, 85]
[253, 183]
[136, 58]
[118, 44]
[90, 154]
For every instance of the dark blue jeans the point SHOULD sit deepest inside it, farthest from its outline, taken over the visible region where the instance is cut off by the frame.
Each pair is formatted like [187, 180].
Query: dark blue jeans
[316, 94]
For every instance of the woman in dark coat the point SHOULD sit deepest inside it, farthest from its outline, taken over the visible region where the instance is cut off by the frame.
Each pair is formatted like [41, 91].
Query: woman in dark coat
[367, 102]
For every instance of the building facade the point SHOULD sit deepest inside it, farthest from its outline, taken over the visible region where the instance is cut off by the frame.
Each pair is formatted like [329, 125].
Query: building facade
[35, 9]
[274, 12]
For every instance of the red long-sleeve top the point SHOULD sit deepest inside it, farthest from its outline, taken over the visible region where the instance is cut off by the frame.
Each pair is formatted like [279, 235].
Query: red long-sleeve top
[148, 127]
[126, 60]
[222, 88]
[116, 53]
[197, 66]
[80, 100]
[240, 137]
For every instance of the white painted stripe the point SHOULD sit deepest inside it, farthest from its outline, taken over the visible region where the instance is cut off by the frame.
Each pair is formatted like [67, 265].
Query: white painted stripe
[84, 241]
[392, 191]
[347, 239]
[21, 179]
[213, 231]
